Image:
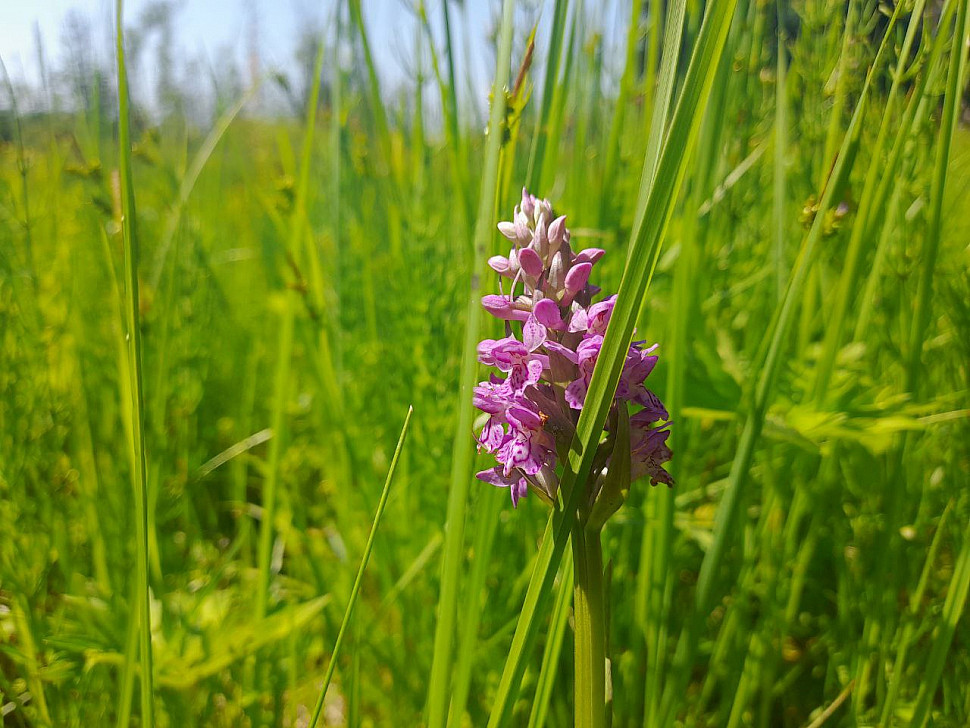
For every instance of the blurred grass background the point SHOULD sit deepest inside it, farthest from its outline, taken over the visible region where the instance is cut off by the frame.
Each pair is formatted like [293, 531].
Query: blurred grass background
[288, 322]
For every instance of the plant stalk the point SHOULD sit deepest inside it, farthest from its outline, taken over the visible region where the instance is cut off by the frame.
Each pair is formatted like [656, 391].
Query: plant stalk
[589, 614]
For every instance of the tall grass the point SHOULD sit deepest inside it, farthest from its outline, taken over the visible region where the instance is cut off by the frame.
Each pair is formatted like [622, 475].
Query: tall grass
[200, 396]
[141, 615]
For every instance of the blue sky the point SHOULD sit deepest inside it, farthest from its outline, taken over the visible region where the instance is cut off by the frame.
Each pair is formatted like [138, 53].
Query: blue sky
[207, 30]
[210, 28]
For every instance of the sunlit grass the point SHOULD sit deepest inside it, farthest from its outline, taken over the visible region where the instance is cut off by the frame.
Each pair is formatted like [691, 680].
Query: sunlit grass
[293, 285]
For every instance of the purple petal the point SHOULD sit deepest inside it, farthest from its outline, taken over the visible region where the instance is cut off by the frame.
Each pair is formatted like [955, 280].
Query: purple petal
[533, 333]
[522, 418]
[492, 435]
[494, 476]
[518, 490]
[577, 277]
[576, 394]
[589, 255]
[540, 240]
[531, 262]
[555, 346]
[599, 315]
[520, 452]
[653, 409]
[579, 321]
[500, 307]
[547, 313]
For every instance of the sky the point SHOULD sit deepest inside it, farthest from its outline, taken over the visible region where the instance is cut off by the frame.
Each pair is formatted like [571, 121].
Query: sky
[208, 29]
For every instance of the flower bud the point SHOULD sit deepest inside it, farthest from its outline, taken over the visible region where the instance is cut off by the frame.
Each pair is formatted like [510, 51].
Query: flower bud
[556, 276]
[528, 203]
[507, 229]
[556, 234]
[500, 265]
[522, 233]
[540, 241]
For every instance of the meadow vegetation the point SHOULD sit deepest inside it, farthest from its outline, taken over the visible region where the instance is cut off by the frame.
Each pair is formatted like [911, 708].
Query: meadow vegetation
[797, 201]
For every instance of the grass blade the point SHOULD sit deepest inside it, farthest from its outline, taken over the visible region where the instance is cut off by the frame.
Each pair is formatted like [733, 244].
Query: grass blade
[136, 402]
[355, 591]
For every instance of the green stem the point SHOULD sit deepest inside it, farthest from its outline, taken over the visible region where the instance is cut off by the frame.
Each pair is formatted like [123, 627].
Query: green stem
[589, 613]
[137, 401]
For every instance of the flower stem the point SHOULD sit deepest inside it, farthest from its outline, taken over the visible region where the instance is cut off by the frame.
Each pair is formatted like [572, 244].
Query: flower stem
[589, 612]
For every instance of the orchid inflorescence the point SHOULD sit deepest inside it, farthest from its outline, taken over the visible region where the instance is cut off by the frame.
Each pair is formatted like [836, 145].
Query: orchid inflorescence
[533, 409]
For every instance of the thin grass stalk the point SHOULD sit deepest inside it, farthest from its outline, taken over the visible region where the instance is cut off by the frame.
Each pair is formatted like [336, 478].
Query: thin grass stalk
[135, 403]
[393, 182]
[489, 507]
[884, 612]
[550, 655]
[373, 87]
[191, 176]
[557, 115]
[449, 109]
[20, 613]
[458, 144]
[673, 34]
[869, 213]
[678, 346]
[619, 112]
[651, 222]
[553, 56]
[841, 88]
[956, 597]
[336, 176]
[931, 245]
[870, 293]
[127, 688]
[781, 149]
[438, 690]
[953, 608]
[652, 49]
[355, 590]
[281, 382]
[909, 628]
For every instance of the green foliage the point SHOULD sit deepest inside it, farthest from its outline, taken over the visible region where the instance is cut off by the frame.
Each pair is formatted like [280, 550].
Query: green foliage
[795, 202]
